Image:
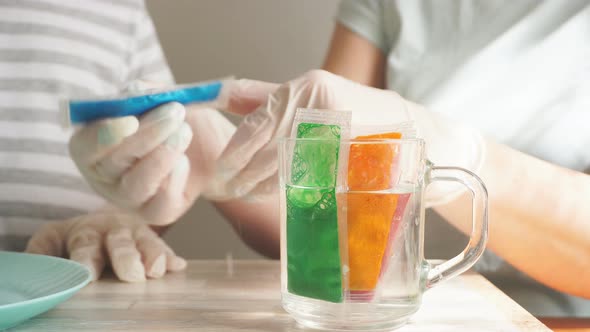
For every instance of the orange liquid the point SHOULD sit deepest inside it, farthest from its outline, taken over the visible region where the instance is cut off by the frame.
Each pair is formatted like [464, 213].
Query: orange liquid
[370, 215]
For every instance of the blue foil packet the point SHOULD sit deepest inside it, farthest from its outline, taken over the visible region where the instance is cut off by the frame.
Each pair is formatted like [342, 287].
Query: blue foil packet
[82, 111]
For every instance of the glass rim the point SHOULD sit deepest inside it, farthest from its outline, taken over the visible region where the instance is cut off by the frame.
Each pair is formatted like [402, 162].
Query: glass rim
[283, 140]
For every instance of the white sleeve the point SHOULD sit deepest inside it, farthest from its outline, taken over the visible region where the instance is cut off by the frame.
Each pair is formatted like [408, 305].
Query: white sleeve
[374, 20]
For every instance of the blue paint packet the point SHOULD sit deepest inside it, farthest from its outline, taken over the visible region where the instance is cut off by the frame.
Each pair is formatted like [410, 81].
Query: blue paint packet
[82, 111]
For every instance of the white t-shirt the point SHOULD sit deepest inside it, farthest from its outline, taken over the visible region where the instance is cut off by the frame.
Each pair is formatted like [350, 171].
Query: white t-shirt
[51, 49]
[517, 70]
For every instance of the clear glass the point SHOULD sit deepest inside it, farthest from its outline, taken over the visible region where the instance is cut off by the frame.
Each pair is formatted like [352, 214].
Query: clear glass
[352, 231]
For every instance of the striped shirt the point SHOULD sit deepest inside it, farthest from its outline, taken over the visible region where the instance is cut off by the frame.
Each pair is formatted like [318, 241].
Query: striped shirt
[51, 49]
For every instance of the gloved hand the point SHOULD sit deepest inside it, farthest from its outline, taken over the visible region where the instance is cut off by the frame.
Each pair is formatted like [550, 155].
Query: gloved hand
[248, 165]
[133, 250]
[143, 166]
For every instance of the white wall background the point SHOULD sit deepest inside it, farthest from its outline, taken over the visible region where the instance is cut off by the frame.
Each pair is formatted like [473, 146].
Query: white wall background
[265, 39]
[273, 40]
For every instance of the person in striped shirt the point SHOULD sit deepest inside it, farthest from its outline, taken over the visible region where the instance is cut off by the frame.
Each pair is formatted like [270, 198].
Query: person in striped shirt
[51, 49]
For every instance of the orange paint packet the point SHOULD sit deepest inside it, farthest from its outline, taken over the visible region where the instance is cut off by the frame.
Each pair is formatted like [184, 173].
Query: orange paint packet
[373, 213]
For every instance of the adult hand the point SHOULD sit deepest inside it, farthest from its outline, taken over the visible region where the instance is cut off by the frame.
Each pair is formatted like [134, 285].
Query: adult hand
[133, 250]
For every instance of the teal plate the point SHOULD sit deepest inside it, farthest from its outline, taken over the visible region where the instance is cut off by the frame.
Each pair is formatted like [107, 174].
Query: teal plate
[33, 284]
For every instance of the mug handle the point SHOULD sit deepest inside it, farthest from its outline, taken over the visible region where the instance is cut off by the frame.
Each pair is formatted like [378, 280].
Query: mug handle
[479, 230]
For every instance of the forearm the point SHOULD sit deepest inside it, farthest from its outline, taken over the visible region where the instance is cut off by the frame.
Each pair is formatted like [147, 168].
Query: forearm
[355, 58]
[538, 218]
[256, 222]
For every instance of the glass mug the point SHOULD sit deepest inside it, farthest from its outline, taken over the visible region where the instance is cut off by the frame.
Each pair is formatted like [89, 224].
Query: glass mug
[352, 230]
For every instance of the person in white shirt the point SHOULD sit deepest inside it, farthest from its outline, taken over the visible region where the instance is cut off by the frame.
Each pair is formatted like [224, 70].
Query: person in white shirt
[518, 71]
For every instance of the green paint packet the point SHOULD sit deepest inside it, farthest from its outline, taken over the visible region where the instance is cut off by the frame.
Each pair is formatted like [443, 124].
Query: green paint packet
[314, 260]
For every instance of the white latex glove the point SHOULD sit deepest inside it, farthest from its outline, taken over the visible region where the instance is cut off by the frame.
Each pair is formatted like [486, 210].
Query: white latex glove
[137, 164]
[143, 166]
[133, 250]
[248, 166]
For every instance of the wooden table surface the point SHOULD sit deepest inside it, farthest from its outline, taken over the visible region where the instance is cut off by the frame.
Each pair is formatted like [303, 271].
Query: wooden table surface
[244, 296]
